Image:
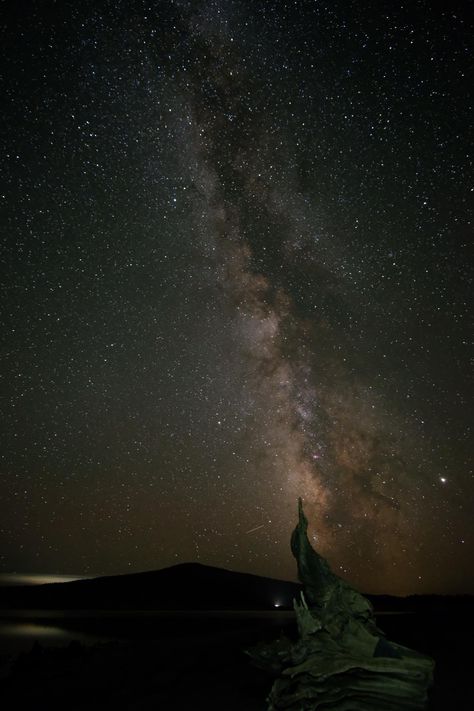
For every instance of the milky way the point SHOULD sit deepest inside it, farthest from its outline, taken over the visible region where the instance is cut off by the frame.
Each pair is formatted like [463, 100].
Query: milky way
[236, 239]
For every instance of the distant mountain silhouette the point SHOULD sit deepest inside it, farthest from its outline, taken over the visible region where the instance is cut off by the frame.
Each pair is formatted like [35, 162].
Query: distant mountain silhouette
[192, 586]
[189, 586]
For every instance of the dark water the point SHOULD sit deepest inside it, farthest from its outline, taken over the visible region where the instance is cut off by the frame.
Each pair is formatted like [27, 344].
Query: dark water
[19, 630]
[17, 636]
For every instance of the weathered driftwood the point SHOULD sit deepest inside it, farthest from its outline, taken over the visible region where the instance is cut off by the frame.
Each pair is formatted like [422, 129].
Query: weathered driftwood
[341, 660]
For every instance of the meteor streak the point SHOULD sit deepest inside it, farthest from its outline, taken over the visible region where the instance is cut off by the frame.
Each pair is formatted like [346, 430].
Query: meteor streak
[256, 528]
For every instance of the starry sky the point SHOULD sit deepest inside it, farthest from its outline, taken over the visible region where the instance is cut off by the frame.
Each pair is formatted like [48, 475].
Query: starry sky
[234, 247]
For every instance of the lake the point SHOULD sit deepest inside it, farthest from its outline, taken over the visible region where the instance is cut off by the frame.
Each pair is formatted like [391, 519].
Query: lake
[19, 629]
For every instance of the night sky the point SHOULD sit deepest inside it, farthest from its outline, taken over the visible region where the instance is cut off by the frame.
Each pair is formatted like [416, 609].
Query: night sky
[235, 271]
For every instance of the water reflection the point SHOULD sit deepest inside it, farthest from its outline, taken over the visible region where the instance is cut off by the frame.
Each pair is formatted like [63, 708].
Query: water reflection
[19, 636]
[33, 630]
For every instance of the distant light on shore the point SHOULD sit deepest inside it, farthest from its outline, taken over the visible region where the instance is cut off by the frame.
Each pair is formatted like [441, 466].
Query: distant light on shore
[35, 578]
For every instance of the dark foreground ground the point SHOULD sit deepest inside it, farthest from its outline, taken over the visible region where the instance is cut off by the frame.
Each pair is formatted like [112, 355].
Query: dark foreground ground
[198, 662]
